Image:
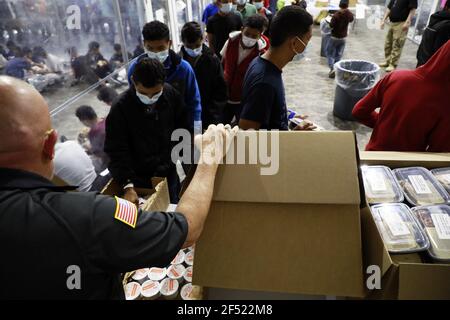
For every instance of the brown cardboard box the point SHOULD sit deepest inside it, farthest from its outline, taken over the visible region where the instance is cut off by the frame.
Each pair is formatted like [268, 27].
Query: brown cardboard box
[157, 197]
[295, 232]
[404, 276]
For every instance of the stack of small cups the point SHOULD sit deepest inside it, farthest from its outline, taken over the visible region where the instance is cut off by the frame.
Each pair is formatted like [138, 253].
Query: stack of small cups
[172, 282]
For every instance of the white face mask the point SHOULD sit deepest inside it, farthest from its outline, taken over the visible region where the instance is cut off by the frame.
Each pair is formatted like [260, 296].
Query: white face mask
[149, 101]
[161, 56]
[300, 55]
[248, 42]
[194, 53]
[226, 7]
[258, 5]
[241, 2]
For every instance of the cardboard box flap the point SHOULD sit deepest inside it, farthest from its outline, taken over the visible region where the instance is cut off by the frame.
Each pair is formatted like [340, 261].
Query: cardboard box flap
[301, 167]
[424, 281]
[405, 159]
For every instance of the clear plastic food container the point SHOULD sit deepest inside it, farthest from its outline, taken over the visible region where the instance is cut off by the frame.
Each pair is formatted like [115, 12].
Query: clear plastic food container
[420, 187]
[435, 220]
[381, 185]
[443, 176]
[399, 229]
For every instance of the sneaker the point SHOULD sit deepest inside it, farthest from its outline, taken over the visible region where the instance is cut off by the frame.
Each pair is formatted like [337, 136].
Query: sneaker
[332, 74]
[384, 64]
[390, 68]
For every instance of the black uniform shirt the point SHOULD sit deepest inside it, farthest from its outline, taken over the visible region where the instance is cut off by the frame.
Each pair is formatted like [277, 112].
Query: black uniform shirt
[400, 9]
[46, 233]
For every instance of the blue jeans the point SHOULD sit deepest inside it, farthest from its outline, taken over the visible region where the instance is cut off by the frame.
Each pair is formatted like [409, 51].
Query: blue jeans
[335, 51]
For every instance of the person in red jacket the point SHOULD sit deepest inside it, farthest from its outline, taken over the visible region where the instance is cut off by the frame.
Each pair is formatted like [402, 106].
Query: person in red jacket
[414, 108]
[238, 52]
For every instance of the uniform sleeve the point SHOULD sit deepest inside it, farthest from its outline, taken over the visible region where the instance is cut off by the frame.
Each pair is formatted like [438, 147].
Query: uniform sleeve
[118, 247]
[364, 111]
[258, 105]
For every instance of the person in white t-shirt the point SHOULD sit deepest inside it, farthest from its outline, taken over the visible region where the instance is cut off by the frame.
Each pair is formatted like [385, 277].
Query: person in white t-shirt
[73, 165]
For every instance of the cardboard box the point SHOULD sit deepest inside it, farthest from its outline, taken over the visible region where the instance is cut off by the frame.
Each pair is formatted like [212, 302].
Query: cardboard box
[157, 197]
[298, 231]
[404, 276]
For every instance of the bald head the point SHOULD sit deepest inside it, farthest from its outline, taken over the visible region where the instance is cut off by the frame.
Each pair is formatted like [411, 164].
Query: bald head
[24, 122]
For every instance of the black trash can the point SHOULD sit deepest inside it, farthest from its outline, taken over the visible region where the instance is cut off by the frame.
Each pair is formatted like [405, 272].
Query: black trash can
[354, 79]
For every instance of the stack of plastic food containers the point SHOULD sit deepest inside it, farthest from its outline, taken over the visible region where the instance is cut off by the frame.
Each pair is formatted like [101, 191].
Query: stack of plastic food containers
[172, 282]
[411, 209]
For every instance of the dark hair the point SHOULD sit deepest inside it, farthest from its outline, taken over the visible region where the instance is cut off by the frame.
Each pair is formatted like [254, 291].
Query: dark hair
[257, 22]
[191, 32]
[155, 30]
[10, 43]
[447, 4]
[149, 73]
[25, 51]
[107, 95]
[85, 113]
[117, 47]
[289, 22]
[343, 4]
[93, 45]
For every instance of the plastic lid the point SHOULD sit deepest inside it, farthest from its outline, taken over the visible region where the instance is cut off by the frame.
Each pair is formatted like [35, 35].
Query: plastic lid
[421, 187]
[150, 289]
[435, 220]
[157, 274]
[189, 258]
[190, 292]
[381, 185]
[140, 274]
[188, 274]
[443, 176]
[179, 258]
[176, 271]
[169, 287]
[132, 290]
[399, 229]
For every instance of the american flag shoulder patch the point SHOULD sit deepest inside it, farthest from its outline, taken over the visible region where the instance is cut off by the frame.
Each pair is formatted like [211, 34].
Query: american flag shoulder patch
[126, 212]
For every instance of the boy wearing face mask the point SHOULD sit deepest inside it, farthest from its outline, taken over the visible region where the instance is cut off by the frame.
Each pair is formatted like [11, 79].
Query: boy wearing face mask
[263, 95]
[208, 71]
[238, 52]
[221, 25]
[179, 73]
[139, 128]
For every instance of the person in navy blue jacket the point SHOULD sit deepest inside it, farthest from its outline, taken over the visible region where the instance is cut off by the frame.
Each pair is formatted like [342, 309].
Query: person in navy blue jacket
[178, 71]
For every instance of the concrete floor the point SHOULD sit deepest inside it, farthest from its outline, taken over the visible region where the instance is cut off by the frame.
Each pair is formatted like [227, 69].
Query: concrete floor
[310, 91]
[308, 88]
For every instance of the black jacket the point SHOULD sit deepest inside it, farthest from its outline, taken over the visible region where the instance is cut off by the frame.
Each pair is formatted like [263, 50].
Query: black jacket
[138, 137]
[211, 82]
[435, 36]
[47, 233]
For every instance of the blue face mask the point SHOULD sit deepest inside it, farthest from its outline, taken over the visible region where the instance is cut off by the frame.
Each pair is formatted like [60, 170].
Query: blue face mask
[149, 101]
[194, 53]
